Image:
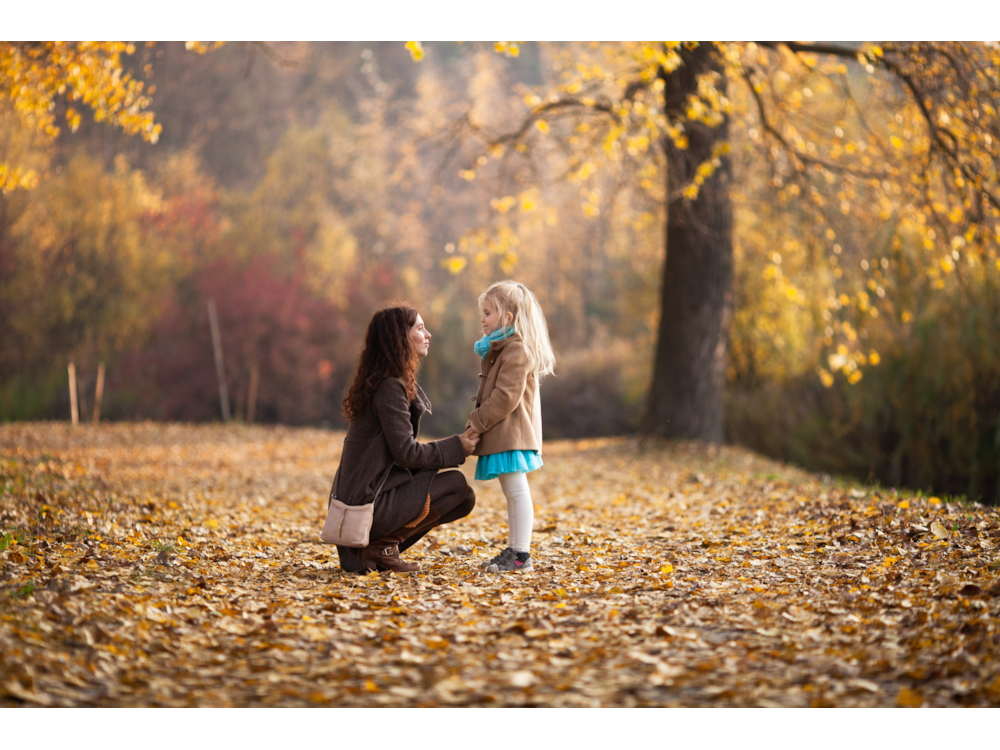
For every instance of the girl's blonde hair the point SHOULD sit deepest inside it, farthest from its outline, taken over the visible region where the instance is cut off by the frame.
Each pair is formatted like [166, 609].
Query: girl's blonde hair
[528, 320]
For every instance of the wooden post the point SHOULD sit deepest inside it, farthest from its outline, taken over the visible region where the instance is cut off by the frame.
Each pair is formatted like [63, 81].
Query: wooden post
[220, 369]
[252, 398]
[74, 413]
[98, 393]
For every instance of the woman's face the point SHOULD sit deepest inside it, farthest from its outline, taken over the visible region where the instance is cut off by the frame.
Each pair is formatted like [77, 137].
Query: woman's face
[490, 318]
[420, 337]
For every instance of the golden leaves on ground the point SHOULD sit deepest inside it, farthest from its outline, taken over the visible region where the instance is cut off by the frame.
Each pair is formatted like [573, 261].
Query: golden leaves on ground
[178, 565]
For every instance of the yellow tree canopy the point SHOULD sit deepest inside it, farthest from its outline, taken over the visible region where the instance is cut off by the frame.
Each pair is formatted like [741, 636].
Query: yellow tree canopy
[35, 76]
[886, 155]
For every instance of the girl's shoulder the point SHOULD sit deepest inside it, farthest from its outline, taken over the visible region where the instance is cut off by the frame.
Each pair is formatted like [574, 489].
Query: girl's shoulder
[505, 347]
[513, 340]
[515, 352]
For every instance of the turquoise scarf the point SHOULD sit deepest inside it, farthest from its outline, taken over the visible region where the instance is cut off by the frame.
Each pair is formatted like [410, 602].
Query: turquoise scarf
[483, 345]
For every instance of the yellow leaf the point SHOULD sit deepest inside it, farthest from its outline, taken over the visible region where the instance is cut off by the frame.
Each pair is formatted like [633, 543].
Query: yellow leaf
[903, 505]
[934, 500]
[455, 264]
[511, 49]
[668, 568]
[542, 126]
[416, 50]
[908, 698]
[896, 142]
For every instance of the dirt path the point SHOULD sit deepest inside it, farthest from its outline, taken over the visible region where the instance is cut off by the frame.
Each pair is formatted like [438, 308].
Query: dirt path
[178, 565]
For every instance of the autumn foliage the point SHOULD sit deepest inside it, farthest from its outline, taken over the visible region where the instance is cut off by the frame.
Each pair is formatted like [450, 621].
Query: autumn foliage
[38, 75]
[296, 186]
[301, 185]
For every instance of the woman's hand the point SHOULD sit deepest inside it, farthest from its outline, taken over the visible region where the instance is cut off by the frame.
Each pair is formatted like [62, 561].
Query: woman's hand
[470, 439]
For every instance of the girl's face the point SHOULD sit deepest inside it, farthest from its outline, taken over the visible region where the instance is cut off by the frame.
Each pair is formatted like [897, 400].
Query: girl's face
[491, 318]
[420, 337]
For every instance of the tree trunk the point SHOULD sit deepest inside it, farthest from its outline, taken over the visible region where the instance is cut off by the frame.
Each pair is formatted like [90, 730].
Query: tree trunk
[686, 394]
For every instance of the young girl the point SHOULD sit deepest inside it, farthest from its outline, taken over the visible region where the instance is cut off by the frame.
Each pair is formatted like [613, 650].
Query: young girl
[515, 353]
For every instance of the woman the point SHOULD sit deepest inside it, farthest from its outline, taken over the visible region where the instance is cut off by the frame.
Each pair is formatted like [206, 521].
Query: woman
[383, 408]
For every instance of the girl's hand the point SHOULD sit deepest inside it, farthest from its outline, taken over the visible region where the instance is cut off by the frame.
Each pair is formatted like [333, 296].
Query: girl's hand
[470, 439]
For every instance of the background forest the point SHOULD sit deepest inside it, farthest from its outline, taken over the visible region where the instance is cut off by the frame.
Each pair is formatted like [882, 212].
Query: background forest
[299, 185]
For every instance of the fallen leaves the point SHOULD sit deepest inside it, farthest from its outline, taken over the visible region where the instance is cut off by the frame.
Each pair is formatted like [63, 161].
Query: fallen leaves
[179, 565]
[939, 531]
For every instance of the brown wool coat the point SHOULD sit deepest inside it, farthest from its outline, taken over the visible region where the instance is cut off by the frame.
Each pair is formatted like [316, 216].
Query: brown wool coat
[384, 433]
[508, 411]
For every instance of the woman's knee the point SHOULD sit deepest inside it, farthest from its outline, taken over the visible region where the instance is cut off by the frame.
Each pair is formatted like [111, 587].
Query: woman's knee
[457, 503]
[468, 504]
[447, 483]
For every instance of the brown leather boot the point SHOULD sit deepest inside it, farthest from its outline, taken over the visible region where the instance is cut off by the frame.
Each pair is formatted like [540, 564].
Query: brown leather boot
[383, 554]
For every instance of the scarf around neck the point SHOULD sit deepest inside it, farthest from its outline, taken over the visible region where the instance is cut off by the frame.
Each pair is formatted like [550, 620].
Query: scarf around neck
[483, 345]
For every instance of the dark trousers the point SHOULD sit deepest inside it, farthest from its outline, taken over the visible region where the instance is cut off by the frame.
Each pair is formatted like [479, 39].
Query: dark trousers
[451, 499]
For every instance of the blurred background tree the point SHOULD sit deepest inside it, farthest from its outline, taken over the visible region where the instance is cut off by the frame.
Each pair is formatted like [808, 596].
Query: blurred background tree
[299, 185]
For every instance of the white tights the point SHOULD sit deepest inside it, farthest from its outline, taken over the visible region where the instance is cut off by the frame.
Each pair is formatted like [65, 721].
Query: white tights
[520, 512]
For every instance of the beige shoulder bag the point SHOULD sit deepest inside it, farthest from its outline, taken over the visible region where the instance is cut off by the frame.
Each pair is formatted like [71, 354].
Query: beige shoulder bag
[349, 525]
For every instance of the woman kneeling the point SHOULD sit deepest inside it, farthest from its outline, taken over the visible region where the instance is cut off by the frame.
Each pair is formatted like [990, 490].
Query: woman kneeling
[383, 407]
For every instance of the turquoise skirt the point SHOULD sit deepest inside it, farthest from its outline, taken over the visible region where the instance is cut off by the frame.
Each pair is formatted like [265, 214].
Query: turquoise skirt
[508, 462]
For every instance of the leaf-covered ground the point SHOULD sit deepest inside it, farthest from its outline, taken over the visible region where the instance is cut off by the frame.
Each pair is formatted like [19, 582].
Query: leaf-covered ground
[148, 565]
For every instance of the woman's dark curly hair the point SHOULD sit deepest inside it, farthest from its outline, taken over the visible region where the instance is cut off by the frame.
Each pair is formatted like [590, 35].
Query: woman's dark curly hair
[387, 354]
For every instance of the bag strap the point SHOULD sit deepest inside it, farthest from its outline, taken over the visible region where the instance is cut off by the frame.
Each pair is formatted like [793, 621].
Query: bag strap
[381, 484]
[385, 476]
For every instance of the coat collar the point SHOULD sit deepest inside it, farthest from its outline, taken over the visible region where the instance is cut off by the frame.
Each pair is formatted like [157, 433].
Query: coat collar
[421, 403]
[500, 344]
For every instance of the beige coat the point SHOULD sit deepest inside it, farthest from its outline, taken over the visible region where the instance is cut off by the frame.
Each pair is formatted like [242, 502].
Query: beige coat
[508, 411]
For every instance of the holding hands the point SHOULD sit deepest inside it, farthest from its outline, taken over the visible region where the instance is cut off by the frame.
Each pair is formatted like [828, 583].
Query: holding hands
[470, 439]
